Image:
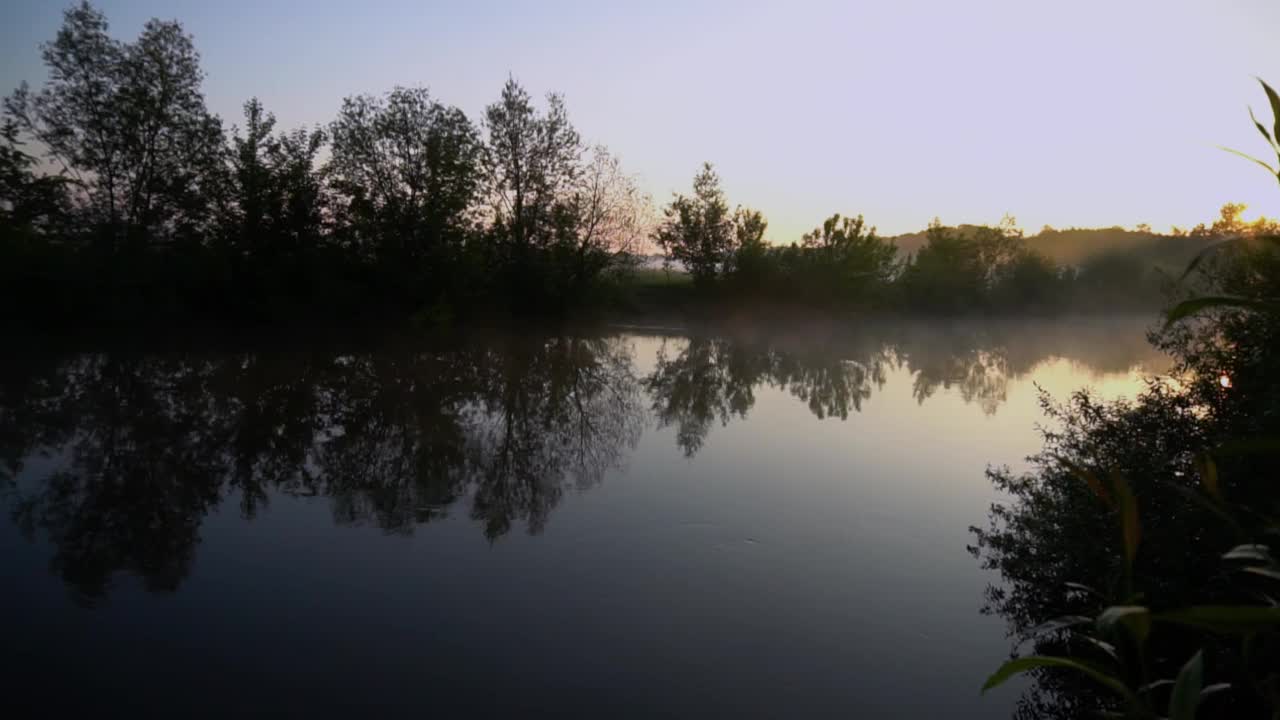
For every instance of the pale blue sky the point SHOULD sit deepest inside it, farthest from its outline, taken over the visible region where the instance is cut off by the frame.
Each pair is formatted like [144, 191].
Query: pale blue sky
[1081, 112]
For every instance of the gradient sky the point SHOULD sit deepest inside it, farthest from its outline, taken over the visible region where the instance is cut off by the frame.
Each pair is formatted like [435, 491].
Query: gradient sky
[1069, 113]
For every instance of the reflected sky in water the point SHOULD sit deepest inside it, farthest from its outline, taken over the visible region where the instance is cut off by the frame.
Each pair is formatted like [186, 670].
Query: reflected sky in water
[622, 523]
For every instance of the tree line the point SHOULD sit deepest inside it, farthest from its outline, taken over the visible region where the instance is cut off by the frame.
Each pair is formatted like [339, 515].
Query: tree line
[123, 199]
[968, 268]
[121, 193]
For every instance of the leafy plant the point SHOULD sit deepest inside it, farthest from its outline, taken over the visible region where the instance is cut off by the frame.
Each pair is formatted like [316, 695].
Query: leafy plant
[1122, 631]
[1129, 634]
[1197, 305]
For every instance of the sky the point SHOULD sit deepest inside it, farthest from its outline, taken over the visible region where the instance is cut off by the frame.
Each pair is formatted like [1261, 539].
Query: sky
[1073, 113]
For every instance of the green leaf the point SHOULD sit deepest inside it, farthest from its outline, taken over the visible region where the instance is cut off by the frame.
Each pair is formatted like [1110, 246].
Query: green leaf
[1024, 664]
[1104, 646]
[1270, 170]
[1213, 689]
[1200, 256]
[1136, 619]
[1261, 128]
[1130, 529]
[1227, 619]
[1263, 571]
[1198, 305]
[1186, 689]
[1081, 587]
[1249, 553]
[1059, 623]
[1218, 246]
[1274, 99]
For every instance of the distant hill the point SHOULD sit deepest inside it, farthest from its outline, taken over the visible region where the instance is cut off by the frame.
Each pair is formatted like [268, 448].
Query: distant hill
[1075, 245]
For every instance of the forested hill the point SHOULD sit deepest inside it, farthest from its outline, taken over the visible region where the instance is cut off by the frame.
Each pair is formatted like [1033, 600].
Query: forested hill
[1073, 246]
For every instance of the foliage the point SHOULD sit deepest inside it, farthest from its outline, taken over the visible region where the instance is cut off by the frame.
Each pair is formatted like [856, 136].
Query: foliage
[947, 273]
[140, 208]
[405, 173]
[1184, 594]
[841, 262]
[127, 125]
[125, 196]
[698, 231]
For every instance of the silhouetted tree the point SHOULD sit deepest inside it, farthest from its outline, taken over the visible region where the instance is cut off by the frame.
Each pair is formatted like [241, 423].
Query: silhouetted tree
[127, 124]
[601, 224]
[407, 169]
[276, 204]
[532, 163]
[1031, 282]
[698, 231]
[751, 265]
[140, 209]
[30, 204]
[848, 261]
[955, 270]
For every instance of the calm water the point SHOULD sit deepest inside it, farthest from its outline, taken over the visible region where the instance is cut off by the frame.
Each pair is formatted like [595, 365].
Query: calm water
[633, 523]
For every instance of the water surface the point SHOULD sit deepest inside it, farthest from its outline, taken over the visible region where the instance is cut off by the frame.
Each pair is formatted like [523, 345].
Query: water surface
[618, 523]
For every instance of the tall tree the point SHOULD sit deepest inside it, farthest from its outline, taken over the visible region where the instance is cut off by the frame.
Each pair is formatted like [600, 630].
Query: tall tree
[276, 192]
[127, 122]
[698, 230]
[298, 219]
[250, 175]
[407, 168]
[533, 163]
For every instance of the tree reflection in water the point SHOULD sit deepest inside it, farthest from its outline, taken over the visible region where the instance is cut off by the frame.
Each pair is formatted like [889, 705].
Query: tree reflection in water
[117, 457]
[700, 381]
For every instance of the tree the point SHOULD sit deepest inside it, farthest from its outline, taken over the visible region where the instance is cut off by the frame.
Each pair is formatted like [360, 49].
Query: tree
[33, 209]
[698, 231]
[749, 265]
[298, 217]
[604, 221]
[532, 163]
[946, 273]
[127, 123]
[407, 169]
[998, 247]
[28, 202]
[249, 172]
[1029, 282]
[957, 268]
[846, 259]
[276, 193]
